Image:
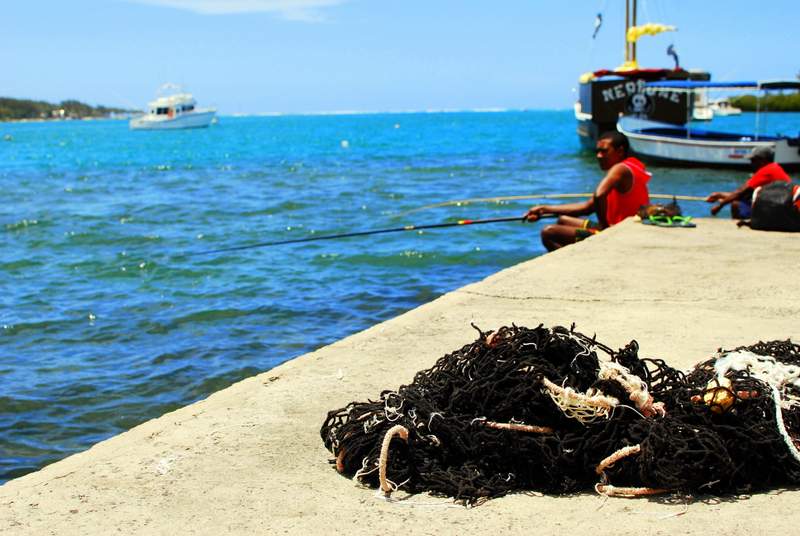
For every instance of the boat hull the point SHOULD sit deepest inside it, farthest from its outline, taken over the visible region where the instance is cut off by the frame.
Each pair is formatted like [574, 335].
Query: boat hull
[681, 146]
[702, 114]
[726, 111]
[199, 119]
[588, 130]
[724, 107]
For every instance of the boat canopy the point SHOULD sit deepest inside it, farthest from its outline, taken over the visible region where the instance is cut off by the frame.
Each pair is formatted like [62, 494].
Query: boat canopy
[689, 85]
[780, 84]
[173, 101]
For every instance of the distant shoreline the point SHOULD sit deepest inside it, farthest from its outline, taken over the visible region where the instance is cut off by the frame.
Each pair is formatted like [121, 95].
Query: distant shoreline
[130, 114]
[61, 119]
[768, 103]
[29, 110]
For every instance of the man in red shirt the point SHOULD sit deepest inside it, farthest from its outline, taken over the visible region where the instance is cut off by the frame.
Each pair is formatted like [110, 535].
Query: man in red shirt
[766, 171]
[619, 194]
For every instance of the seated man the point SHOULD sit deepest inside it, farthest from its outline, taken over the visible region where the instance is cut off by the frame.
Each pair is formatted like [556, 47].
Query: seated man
[619, 194]
[766, 171]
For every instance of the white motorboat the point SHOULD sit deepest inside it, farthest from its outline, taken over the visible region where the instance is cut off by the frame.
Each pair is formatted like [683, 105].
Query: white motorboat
[701, 108]
[177, 110]
[693, 146]
[723, 106]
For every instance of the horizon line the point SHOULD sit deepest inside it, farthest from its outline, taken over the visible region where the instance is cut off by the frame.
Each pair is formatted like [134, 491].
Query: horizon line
[378, 112]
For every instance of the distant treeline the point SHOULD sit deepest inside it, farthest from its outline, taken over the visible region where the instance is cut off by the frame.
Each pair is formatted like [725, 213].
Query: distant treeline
[789, 102]
[13, 109]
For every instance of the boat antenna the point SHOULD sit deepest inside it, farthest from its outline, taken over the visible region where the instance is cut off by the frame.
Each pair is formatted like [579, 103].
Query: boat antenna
[169, 87]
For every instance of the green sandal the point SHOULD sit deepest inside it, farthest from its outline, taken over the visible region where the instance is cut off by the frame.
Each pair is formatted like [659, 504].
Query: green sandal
[669, 221]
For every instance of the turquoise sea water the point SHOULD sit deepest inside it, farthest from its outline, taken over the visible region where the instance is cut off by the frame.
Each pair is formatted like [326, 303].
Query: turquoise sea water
[105, 325]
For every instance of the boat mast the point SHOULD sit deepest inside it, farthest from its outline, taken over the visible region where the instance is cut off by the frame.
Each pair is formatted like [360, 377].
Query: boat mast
[633, 23]
[627, 26]
[630, 21]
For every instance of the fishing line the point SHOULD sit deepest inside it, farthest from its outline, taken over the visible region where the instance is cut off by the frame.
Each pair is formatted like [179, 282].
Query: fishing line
[358, 233]
[459, 202]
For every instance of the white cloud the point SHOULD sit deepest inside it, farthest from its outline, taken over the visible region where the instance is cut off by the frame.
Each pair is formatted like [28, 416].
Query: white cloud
[301, 10]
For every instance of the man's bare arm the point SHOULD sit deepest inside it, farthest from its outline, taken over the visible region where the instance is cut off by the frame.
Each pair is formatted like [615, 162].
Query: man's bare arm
[739, 193]
[619, 178]
[581, 208]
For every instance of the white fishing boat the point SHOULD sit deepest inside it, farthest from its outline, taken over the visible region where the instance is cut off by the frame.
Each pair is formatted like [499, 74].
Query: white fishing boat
[173, 110]
[722, 106]
[689, 145]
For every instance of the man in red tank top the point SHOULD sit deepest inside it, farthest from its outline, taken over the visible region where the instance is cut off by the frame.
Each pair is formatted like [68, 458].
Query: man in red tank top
[619, 195]
[762, 160]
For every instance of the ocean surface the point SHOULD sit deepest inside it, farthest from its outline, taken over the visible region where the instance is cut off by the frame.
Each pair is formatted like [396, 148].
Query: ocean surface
[105, 323]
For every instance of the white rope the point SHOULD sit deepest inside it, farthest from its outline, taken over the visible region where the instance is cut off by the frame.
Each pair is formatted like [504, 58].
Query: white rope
[363, 472]
[781, 427]
[518, 427]
[772, 372]
[614, 491]
[397, 430]
[579, 406]
[393, 413]
[636, 388]
[624, 452]
[763, 367]
[587, 350]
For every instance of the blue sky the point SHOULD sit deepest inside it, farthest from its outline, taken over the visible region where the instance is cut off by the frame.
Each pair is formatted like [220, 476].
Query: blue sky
[290, 56]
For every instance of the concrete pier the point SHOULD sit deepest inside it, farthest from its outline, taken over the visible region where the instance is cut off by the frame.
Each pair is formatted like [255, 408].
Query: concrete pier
[249, 459]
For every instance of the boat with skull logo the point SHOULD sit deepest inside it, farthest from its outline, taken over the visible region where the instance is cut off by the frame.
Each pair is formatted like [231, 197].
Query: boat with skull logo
[604, 95]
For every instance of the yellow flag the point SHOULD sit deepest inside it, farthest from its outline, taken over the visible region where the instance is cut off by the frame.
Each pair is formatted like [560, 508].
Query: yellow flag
[651, 28]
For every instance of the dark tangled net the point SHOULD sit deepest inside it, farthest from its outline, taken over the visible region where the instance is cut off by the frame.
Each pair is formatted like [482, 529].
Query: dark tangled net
[712, 437]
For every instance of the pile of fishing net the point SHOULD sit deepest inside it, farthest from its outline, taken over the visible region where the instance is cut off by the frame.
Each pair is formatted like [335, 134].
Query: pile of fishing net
[554, 411]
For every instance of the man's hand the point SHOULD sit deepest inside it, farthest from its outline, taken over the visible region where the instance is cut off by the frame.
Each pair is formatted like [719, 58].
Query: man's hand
[535, 213]
[716, 208]
[713, 197]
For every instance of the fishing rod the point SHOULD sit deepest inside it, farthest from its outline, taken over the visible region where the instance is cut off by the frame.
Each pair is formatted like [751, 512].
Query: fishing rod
[528, 197]
[359, 233]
